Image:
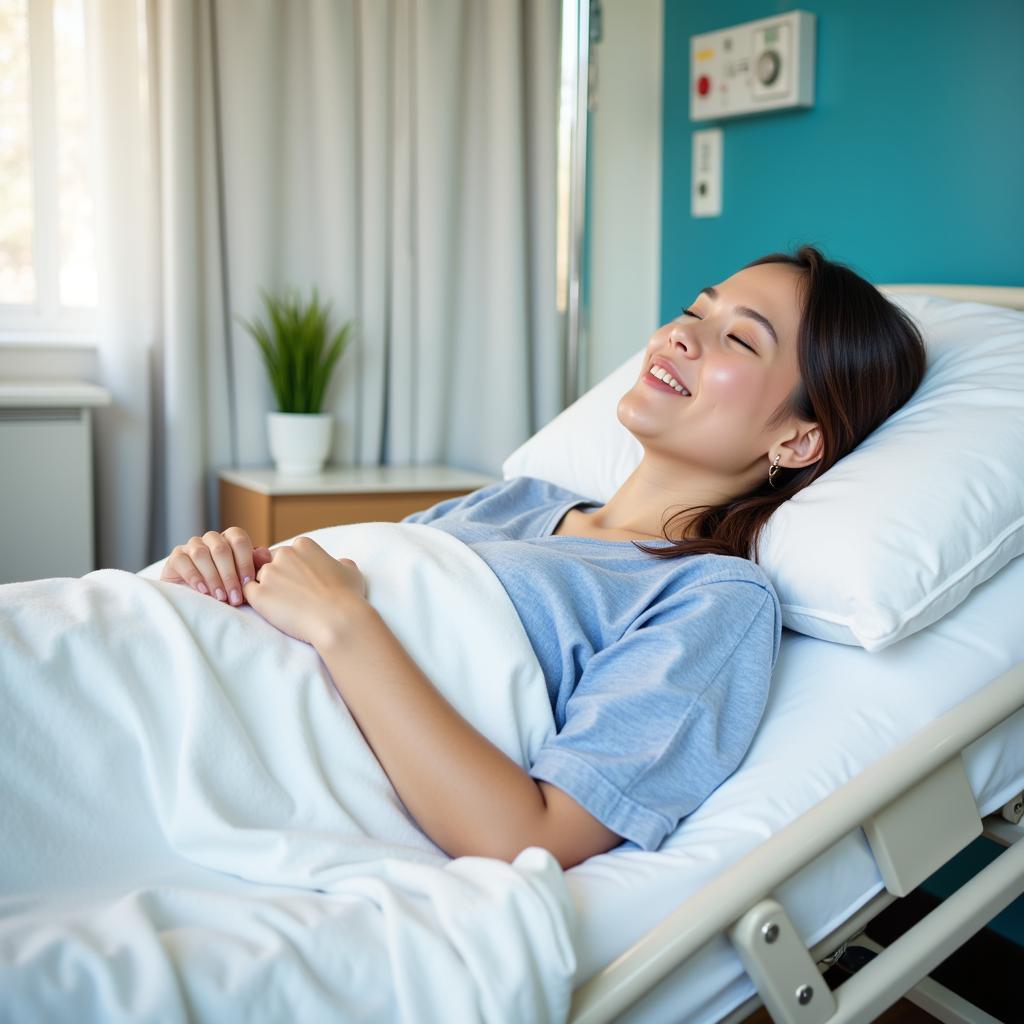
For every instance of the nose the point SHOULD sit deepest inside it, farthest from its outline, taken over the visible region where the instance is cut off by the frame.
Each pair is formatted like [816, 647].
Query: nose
[684, 338]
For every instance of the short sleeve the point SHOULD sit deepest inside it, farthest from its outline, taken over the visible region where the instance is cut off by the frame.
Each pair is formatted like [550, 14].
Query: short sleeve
[663, 716]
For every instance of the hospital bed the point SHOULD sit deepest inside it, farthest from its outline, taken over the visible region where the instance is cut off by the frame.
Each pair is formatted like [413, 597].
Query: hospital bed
[871, 769]
[894, 735]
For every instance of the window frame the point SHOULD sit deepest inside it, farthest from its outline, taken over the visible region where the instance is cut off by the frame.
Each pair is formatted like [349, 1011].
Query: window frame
[45, 320]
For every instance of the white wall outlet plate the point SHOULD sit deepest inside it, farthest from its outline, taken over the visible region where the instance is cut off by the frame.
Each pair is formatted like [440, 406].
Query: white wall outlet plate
[706, 180]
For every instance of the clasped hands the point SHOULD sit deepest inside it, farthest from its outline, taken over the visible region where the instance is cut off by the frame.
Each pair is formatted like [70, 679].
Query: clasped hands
[298, 588]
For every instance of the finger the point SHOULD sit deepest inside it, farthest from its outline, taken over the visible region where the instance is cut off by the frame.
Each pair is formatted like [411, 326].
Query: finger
[251, 590]
[256, 594]
[242, 549]
[179, 568]
[200, 553]
[230, 586]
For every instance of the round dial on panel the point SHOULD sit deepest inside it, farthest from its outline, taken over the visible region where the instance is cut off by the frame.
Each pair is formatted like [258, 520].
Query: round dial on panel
[768, 66]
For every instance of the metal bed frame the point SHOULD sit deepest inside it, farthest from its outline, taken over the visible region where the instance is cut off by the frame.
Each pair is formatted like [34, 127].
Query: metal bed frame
[917, 810]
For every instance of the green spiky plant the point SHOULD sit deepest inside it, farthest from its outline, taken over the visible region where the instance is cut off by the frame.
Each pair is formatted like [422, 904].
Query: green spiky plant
[296, 350]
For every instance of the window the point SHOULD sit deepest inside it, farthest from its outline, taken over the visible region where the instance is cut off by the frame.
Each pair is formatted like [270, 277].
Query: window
[47, 239]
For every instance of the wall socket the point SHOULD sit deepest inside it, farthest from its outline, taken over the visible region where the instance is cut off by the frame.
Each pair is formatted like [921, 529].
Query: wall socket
[707, 173]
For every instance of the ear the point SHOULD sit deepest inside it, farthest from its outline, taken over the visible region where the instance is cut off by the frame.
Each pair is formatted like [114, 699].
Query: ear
[802, 447]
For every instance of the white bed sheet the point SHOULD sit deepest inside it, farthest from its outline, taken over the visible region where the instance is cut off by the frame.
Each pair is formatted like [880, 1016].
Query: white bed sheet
[264, 868]
[833, 711]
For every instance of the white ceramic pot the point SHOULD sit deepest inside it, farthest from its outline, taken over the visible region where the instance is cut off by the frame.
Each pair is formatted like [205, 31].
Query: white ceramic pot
[300, 442]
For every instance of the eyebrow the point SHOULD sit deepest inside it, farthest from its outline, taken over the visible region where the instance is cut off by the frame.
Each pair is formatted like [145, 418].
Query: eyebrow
[746, 311]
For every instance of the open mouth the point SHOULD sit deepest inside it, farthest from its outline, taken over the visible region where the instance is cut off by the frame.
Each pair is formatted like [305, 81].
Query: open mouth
[668, 380]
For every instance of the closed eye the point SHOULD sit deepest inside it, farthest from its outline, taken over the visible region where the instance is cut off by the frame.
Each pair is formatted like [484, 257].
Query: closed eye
[742, 342]
[690, 312]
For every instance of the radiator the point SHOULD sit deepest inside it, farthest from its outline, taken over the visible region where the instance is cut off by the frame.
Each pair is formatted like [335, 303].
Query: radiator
[46, 479]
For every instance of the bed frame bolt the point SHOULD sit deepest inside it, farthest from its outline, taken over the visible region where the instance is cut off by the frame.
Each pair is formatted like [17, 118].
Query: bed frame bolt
[770, 932]
[804, 994]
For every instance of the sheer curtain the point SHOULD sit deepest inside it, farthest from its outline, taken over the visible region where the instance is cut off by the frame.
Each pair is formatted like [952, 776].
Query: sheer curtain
[397, 154]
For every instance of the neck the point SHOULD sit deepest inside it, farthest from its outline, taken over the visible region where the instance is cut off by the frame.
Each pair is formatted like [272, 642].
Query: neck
[653, 492]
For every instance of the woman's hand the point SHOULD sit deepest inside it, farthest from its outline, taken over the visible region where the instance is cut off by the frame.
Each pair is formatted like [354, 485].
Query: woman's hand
[307, 593]
[216, 563]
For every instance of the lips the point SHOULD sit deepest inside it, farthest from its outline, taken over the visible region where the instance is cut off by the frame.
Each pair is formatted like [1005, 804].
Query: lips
[671, 368]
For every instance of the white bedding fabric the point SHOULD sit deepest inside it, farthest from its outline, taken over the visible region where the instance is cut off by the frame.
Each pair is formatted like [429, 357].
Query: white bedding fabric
[194, 828]
[135, 930]
[833, 710]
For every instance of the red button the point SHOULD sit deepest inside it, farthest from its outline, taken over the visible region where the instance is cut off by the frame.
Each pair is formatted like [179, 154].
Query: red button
[703, 85]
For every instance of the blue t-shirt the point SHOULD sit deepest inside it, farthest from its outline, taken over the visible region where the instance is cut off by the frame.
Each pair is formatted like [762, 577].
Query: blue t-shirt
[657, 669]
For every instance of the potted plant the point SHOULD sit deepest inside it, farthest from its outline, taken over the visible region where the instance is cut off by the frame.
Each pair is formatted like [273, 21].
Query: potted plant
[299, 357]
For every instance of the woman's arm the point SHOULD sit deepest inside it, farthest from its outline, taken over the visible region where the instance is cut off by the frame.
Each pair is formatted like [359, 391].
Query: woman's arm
[465, 793]
[467, 796]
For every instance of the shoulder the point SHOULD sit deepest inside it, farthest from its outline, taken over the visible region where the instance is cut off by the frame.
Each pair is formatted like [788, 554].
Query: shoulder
[707, 570]
[523, 488]
[501, 502]
[718, 574]
[722, 595]
[541, 490]
[525, 494]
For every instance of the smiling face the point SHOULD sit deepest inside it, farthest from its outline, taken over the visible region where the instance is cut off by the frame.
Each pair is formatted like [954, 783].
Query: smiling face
[734, 350]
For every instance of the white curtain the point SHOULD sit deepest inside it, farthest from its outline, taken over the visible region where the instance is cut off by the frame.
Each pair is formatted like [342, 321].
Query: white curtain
[397, 154]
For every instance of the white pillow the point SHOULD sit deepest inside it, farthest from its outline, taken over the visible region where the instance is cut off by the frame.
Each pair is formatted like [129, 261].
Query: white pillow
[901, 530]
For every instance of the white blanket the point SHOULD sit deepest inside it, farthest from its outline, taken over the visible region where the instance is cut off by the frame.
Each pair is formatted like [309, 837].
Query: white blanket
[194, 827]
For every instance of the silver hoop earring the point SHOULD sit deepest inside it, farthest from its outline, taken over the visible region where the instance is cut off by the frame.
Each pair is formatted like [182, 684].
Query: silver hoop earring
[773, 469]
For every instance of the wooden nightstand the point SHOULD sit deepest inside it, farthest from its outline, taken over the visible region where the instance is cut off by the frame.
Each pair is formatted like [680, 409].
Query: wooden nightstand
[271, 507]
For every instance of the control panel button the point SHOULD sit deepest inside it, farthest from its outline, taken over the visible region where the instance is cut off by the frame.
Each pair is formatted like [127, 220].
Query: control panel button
[768, 65]
[703, 85]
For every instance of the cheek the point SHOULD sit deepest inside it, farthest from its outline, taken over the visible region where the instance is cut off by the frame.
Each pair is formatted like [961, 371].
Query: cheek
[657, 341]
[736, 383]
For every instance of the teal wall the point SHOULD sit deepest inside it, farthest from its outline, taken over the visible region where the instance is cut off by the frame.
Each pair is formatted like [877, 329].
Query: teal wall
[910, 166]
[1010, 922]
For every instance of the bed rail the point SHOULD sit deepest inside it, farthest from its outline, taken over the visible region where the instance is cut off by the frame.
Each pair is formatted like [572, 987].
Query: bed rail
[720, 905]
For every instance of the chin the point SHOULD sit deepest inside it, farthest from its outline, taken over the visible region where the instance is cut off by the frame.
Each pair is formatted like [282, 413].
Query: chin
[623, 414]
[636, 419]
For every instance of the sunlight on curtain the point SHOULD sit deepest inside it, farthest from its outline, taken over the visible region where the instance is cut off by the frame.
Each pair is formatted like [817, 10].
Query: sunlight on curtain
[74, 179]
[47, 213]
[17, 274]
[398, 155]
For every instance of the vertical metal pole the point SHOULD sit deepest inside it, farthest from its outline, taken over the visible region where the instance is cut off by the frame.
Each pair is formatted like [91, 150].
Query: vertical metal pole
[572, 176]
[222, 235]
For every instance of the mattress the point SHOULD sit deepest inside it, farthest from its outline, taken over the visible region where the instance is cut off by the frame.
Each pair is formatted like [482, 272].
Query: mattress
[833, 711]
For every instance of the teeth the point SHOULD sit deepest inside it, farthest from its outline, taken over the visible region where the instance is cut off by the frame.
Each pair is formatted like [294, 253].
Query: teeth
[667, 377]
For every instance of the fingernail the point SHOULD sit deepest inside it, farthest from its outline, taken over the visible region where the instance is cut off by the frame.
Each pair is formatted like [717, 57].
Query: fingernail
[221, 596]
[246, 580]
[201, 587]
[234, 597]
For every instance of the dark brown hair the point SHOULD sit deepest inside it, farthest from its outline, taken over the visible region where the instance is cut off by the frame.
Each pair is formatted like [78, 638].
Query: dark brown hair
[860, 357]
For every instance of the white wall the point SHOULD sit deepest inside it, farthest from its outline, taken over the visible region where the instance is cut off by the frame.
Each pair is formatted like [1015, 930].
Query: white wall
[626, 184]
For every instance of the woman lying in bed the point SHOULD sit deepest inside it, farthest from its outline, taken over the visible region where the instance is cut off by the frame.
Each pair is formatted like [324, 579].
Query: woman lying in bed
[657, 665]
